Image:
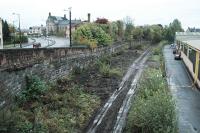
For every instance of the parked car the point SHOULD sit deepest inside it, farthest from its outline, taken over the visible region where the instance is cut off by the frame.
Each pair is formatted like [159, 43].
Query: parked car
[173, 46]
[174, 51]
[36, 45]
[177, 55]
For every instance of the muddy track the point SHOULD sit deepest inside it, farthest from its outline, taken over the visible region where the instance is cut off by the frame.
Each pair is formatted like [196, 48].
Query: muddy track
[108, 119]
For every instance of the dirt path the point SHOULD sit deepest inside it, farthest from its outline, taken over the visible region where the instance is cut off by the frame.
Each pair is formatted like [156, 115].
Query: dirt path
[111, 115]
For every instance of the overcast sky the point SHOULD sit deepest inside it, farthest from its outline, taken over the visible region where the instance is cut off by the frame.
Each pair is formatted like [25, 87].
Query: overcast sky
[35, 12]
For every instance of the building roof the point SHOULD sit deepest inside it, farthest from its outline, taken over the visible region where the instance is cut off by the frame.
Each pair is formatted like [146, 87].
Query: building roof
[193, 43]
[62, 20]
[193, 29]
[191, 38]
[183, 36]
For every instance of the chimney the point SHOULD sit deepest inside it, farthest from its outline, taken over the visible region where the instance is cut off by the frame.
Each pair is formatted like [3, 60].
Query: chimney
[89, 17]
[64, 16]
[49, 13]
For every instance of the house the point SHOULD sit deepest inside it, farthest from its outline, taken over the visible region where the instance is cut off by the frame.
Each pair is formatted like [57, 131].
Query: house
[56, 24]
[193, 29]
[1, 34]
[37, 30]
[76, 24]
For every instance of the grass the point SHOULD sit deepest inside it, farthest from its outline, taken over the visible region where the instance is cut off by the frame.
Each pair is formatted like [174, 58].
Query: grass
[155, 58]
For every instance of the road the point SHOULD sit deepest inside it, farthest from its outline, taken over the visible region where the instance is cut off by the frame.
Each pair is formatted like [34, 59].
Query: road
[60, 42]
[49, 42]
[187, 96]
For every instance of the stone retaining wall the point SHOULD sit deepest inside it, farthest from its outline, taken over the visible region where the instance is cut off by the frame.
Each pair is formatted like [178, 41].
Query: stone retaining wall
[47, 63]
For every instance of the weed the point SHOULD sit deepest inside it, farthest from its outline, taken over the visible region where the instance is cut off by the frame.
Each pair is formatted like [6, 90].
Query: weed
[153, 109]
[35, 87]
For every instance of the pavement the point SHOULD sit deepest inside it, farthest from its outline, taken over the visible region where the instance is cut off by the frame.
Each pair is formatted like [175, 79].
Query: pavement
[185, 94]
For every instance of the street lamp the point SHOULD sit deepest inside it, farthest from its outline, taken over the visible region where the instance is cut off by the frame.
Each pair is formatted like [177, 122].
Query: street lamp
[19, 29]
[14, 33]
[70, 27]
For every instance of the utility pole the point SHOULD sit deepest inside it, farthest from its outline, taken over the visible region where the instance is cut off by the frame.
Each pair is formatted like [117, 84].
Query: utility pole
[19, 29]
[70, 27]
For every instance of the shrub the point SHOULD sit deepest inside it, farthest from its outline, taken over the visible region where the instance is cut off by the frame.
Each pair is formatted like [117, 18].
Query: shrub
[107, 71]
[153, 109]
[35, 87]
[77, 70]
[137, 46]
[154, 114]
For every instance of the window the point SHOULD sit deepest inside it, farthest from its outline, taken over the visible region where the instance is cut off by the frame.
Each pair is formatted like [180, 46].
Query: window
[192, 57]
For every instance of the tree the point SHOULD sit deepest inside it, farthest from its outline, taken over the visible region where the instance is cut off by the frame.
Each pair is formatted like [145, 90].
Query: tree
[157, 33]
[128, 29]
[114, 30]
[120, 27]
[89, 34]
[6, 32]
[128, 20]
[170, 31]
[11, 28]
[176, 26]
[137, 33]
[101, 21]
[147, 33]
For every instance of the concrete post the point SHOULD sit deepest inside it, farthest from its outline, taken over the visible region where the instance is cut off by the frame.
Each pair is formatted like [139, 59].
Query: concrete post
[1, 34]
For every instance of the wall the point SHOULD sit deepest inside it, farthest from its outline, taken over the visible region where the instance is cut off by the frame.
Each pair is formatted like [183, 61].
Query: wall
[48, 63]
[190, 67]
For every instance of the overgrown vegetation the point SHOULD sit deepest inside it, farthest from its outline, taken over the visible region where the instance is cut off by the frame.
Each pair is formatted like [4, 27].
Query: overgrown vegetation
[35, 88]
[153, 109]
[103, 32]
[105, 68]
[63, 108]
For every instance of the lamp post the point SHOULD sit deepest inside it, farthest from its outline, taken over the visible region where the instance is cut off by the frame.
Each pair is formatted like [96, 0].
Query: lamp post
[70, 27]
[19, 29]
[14, 33]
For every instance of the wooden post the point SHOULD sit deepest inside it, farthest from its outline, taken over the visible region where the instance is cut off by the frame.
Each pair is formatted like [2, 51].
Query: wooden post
[196, 67]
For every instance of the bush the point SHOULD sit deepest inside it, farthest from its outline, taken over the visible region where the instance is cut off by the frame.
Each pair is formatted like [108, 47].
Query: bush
[153, 109]
[154, 114]
[77, 70]
[35, 87]
[92, 35]
[137, 46]
[24, 39]
[107, 71]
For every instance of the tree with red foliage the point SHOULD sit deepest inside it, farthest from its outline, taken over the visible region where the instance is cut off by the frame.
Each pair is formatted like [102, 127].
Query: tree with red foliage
[101, 21]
